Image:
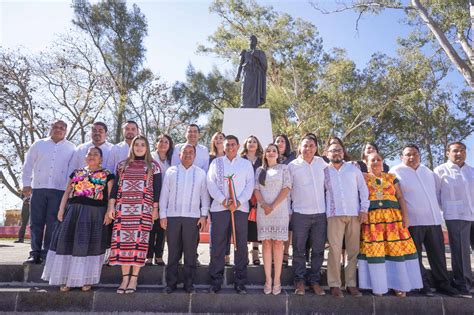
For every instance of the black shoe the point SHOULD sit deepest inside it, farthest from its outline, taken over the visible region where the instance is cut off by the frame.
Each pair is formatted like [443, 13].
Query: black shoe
[19, 241]
[449, 290]
[168, 290]
[426, 292]
[189, 289]
[240, 289]
[215, 289]
[33, 260]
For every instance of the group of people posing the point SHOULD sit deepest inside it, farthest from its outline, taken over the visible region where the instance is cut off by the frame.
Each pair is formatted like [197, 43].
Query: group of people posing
[102, 202]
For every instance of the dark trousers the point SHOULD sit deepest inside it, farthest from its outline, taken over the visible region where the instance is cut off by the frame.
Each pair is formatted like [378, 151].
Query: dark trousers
[221, 223]
[44, 207]
[181, 235]
[156, 244]
[314, 228]
[431, 236]
[25, 217]
[461, 240]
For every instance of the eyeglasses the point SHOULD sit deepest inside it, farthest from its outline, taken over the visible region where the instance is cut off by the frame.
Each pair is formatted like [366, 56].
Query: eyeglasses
[335, 151]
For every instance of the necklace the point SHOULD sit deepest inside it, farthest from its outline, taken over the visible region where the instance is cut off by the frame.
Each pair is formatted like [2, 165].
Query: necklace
[379, 192]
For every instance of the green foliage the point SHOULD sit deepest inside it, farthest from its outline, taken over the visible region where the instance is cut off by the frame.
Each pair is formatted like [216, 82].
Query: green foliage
[118, 34]
[390, 101]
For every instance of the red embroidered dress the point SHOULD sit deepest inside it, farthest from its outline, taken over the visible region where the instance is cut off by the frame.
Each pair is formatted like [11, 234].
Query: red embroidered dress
[134, 206]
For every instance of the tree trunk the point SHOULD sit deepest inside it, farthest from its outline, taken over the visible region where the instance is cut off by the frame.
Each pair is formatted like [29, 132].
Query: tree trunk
[120, 116]
[460, 64]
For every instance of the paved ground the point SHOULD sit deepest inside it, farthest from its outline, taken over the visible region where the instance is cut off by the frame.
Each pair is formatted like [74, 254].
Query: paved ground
[12, 253]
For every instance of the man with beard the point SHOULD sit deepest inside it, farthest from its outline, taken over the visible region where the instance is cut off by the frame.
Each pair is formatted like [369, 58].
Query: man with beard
[45, 176]
[119, 152]
[347, 205]
[98, 139]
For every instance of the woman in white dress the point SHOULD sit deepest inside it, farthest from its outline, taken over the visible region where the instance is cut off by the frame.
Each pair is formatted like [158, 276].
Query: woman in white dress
[272, 185]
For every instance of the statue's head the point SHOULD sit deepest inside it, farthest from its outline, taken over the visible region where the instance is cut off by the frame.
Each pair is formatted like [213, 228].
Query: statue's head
[253, 41]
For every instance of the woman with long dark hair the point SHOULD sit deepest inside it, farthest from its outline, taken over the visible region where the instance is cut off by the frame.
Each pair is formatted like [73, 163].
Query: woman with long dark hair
[286, 154]
[368, 148]
[163, 153]
[134, 207]
[253, 151]
[272, 185]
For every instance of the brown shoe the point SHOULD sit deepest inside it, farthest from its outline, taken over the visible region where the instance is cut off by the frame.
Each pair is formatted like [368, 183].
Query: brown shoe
[318, 290]
[299, 288]
[354, 291]
[336, 292]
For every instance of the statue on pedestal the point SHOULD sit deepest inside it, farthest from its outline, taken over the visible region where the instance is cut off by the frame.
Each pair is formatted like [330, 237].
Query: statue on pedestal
[253, 68]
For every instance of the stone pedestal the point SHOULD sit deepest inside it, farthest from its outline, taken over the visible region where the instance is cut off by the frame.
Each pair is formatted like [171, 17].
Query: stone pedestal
[243, 122]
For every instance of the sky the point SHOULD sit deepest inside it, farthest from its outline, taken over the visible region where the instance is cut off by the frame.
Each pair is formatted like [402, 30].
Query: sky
[176, 27]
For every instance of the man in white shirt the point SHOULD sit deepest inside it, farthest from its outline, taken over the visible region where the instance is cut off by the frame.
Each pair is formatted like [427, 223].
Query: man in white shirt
[184, 204]
[309, 215]
[98, 139]
[347, 206]
[119, 152]
[222, 171]
[456, 195]
[45, 176]
[193, 134]
[418, 185]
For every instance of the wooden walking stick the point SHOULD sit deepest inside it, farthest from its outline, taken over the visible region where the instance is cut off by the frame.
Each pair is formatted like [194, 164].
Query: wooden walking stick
[232, 200]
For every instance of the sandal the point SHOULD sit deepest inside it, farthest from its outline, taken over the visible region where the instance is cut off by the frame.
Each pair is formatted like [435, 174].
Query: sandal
[86, 288]
[276, 289]
[64, 288]
[122, 290]
[400, 294]
[131, 290]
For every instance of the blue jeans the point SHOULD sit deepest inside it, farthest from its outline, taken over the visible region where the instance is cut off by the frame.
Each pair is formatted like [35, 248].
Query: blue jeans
[44, 207]
[312, 227]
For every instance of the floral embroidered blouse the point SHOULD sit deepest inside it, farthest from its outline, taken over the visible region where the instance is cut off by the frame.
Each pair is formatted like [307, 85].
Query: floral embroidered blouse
[90, 187]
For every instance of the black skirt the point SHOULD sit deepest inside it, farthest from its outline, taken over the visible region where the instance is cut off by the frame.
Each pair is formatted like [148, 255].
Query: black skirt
[82, 232]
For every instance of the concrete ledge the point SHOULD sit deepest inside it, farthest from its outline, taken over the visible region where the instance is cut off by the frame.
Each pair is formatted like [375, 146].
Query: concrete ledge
[149, 275]
[152, 275]
[49, 299]
[12, 273]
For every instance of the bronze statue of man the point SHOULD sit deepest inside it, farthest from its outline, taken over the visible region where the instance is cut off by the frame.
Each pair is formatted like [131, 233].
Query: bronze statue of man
[253, 67]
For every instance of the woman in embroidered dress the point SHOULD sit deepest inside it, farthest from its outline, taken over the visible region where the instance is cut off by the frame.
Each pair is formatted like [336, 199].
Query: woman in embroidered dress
[388, 257]
[163, 154]
[134, 207]
[272, 185]
[78, 247]
[253, 151]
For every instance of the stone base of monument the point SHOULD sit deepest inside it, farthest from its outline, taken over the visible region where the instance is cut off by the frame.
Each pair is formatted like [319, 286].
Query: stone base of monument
[22, 290]
[243, 122]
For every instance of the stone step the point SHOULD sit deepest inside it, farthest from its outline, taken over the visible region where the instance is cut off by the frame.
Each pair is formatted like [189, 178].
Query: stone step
[104, 299]
[149, 275]
[154, 275]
